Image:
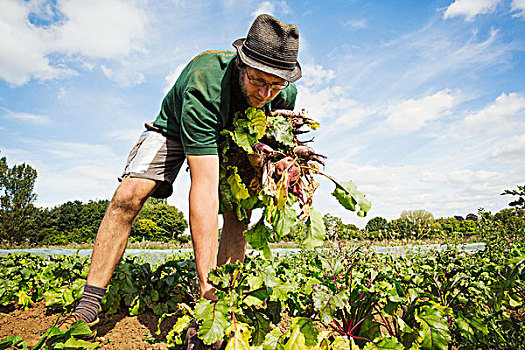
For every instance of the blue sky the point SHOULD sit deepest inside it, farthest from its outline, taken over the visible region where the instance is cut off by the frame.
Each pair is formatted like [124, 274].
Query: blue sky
[421, 103]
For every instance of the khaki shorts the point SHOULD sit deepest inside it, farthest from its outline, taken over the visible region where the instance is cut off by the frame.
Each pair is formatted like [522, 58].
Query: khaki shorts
[157, 158]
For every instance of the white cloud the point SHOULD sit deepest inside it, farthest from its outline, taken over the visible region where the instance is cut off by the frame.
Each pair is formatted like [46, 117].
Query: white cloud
[37, 119]
[353, 116]
[24, 47]
[495, 117]
[124, 134]
[100, 28]
[58, 186]
[356, 23]
[270, 7]
[413, 114]
[107, 71]
[511, 151]
[316, 75]
[109, 29]
[265, 7]
[466, 176]
[330, 103]
[433, 177]
[470, 8]
[518, 6]
[325, 101]
[94, 172]
[124, 78]
[75, 150]
[61, 93]
[62, 176]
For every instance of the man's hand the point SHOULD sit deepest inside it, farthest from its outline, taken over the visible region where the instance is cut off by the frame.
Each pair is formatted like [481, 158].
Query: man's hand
[204, 210]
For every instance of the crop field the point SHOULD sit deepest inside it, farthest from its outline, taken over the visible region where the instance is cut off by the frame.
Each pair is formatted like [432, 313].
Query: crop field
[345, 299]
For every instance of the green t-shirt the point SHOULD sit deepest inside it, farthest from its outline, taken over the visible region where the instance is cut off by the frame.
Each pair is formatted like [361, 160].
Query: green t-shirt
[204, 100]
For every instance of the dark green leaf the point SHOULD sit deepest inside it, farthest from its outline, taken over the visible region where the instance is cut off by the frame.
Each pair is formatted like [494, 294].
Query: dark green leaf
[348, 195]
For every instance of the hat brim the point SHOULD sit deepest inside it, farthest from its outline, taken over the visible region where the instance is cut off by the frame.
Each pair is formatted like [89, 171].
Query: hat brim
[290, 75]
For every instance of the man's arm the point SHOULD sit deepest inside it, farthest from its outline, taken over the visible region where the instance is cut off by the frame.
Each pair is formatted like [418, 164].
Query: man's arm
[204, 209]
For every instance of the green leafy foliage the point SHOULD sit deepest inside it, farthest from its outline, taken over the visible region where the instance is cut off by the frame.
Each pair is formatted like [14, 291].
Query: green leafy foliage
[248, 129]
[73, 221]
[417, 216]
[434, 332]
[359, 299]
[137, 287]
[70, 222]
[215, 320]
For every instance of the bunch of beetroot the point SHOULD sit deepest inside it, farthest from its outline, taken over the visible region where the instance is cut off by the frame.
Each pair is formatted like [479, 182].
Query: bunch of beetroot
[265, 165]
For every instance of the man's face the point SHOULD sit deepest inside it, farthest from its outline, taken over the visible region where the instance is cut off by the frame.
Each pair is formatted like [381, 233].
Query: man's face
[258, 96]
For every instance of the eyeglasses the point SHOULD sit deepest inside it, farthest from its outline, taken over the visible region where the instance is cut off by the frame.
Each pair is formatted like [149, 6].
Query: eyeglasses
[262, 83]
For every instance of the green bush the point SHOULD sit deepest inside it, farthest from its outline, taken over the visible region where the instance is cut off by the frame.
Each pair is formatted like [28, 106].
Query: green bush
[513, 220]
[148, 230]
[336, 229]
[449, 226]
[399, 228]
[376, 224]
[158, 221]
[468, 227]
[167, 217]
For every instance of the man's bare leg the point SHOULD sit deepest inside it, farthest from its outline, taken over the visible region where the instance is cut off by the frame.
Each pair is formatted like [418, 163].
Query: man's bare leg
[113, 233]
[232, 246]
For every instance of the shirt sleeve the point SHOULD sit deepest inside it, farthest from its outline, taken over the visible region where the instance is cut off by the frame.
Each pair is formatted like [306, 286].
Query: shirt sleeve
[199, 126]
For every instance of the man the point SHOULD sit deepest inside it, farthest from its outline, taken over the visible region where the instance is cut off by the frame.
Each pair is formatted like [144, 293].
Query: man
[209, 91]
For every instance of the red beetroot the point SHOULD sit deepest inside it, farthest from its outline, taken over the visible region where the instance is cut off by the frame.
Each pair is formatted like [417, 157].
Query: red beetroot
[294, 171]
[307, 153]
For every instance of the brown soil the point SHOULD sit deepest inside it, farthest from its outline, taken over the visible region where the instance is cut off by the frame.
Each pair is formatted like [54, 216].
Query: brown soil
[118, 332]
[517, 315]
